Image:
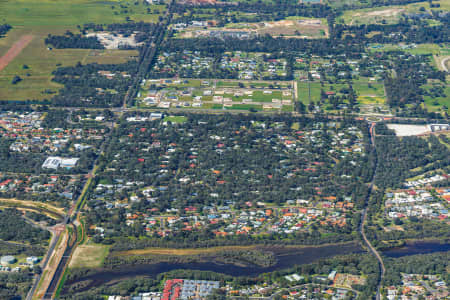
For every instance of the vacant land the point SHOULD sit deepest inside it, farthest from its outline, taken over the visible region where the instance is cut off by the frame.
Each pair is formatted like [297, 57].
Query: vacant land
[62, 13]
[35, 64]
[38, 18]
[408, 130]
[189, 251]
[369, 93]
[370, 16]
[441, 103]
[381, 15]
[289, 28]
[32, 204]
[15, 50]
[418, 49]
[89, 256]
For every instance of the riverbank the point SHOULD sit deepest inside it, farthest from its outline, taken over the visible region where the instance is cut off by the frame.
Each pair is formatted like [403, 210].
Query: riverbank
[286, 257]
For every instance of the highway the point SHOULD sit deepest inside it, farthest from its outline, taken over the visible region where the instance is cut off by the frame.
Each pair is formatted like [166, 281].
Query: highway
[37, 279]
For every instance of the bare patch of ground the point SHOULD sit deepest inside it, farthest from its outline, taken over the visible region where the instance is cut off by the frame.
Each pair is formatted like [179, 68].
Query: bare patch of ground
[409, 130]
[15, 50]
[386, 12]
[13, 201]
[114, 41]
[306, 28]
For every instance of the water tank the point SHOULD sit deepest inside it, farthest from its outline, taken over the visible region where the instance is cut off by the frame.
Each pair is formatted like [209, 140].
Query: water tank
[7, 260]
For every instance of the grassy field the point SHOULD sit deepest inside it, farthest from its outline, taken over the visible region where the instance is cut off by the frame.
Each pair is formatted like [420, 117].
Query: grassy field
[42, 62]
[42, 17]
[436, 104]
[189, 251]
[418, 49]
[89, 256]
[370, 95]
[386, 14]
[175, 119]
[303, 90]
[62, 13]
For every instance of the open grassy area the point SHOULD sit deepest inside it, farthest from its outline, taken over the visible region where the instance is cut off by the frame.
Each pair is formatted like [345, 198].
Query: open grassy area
[89, 256]
[175, 119]
[417, 49]
[316, 87]
[436, 104]
[385, 14]
[369, 93]
[188, 251]
[308, 91]
[62, 13]
[42, 62]
[42, 17]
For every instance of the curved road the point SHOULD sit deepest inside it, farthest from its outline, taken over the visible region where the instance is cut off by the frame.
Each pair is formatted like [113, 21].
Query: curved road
[444, 65]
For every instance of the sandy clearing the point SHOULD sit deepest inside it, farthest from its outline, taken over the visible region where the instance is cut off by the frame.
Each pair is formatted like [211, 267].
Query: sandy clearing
[386, 12]
[409, 130]
[36, 204]
[15, 49]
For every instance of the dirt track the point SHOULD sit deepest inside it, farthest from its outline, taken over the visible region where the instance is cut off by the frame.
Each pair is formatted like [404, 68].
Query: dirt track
[15, 50]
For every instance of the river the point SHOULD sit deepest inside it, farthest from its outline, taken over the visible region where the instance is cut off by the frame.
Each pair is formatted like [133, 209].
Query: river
[286, 257]
[417, 247]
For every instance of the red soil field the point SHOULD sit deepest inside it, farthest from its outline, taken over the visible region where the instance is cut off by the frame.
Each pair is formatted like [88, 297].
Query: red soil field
[15, 50]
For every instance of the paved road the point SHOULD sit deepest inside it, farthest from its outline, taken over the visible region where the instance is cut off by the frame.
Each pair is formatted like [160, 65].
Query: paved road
[51, 248]
[444, 65]
[429, 288]
[364, 218]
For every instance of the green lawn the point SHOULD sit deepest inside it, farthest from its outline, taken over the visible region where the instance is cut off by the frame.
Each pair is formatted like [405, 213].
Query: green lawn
[419, 49]
[435, 104]
[245, 107]
[303, 90]
[306, 90]
[369, 94]
[176, 119]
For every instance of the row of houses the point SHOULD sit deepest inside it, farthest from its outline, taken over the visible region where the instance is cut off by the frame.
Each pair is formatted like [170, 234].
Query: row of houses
[417, 286]
[34, 186]
[423, 203]
[240, 65]
[200, 173]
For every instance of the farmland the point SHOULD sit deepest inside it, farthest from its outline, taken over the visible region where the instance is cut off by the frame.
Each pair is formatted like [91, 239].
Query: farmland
[40, 18]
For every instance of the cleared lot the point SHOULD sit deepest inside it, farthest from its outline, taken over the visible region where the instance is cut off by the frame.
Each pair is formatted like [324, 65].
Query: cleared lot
[409, 130]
